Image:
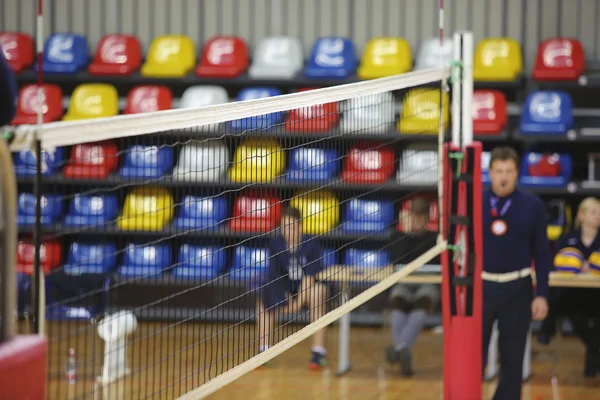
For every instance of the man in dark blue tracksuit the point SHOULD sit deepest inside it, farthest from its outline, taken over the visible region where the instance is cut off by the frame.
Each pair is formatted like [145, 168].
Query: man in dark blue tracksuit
[514, 235]
[8, 92]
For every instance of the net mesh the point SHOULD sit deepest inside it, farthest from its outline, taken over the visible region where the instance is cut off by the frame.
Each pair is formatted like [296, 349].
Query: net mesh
[174, 256]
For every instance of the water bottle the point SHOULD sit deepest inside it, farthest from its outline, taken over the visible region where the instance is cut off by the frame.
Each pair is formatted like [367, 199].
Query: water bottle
[71, 368]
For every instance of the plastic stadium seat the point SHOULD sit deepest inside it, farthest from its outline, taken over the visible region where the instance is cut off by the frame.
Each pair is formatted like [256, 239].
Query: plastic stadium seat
[317, 118]
[313, 165]
[368, 114]
[385, 56]
[149, 162]
[485, 166]
[50, 256]
[64, 53]
[545, 169]
[25, 162]
[490, 113]
[433, 212]
[202, 162]
[223, 57]
[170, 56]
[329, 258]
[262, 122]
[559, 59]
[368, 163]
[198, 212]
[146, 209]
[202, 96]
[94, 160]
[144, 99]
[250, 263]
[93, 210]
[200, 262]
[367, 258]
[320, 211]
[331, 57]
[547, 112]
[418, 165]
[568, 260]
[497, 60]
[145, 260]
[559, 217]
[28, 105]
[255, 212]
[432, 54]
[421, 112]
[277, 58]
[257, 160]
[91, 258]
[364, 216]
[93, 100]
[116, 55]
[18, 50]
[51, 206]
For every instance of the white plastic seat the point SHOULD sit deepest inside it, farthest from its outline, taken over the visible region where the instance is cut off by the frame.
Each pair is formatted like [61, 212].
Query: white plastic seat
[203, 96]
[418, 165]
[368, 114]
[277, 57]
[433, 55]
[202, 162]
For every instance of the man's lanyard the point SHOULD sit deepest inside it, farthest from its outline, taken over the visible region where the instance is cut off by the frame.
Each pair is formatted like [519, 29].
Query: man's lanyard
[494, 207]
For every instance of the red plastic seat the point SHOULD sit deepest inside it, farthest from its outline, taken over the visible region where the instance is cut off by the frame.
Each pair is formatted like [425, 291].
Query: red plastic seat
[27, 107]
[318, 118]
[490, 113]
[143, 99]
[50, 256]
[559, 59]
[92, 160]
[223, 57]
[18, 50]
[255, 212]
[368, 163]
[116, 55]
[433, 213]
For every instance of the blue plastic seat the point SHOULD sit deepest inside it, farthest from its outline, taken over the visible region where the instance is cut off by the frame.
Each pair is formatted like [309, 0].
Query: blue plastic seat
[147, 162]
[149, 260]
[363, 216]
[202, 212]
[25, 162]
[250, 263]
[259, 122]
[92, 210]
[366, 258]
[547, 112]
[200, 262]
[331, 57]
[51, 205]
[545, 169]
[329, 258]
[64, 53]
[91, 258]
[313, 165]
[485, 166]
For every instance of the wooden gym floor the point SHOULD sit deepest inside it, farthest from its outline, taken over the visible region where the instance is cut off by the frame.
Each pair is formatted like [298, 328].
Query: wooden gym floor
[165, 376]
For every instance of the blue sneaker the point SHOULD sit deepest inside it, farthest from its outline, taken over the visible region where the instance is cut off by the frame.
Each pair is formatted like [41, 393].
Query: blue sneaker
[317, 361]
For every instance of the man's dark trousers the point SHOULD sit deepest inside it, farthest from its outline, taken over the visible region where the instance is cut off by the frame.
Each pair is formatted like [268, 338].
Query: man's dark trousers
[510, 304]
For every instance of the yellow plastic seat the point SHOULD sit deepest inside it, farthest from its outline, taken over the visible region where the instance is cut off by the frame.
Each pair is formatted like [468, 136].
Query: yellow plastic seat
[146, 209]
[320, 211]
[170, 56]
[497, 60]
[93, 100]
[257, 160]
[421, 112]
[385, 56]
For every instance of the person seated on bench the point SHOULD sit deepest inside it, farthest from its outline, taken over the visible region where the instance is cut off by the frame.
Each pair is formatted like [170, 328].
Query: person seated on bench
[291, 283]
[410, 302]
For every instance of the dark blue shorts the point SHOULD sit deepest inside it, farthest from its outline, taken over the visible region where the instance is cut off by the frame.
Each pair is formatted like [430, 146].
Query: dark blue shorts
[276, 294]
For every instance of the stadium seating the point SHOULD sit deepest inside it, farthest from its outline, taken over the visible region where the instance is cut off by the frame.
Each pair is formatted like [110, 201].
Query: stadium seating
[432, 54]
[257, 160]
[329, 258]
[277, 58]
[51, 205]
[368, 216]
[91, 258]
[50, 256]
[146, 209]
[223, 57]
[366, 258]
[490, 114]
[145, 260]
[198, 212]
[421, 112]
[317, 118]
[92, 210]
[559, 59]
[170, 56]
[485, 166]
[368, 114]
[313, 165]
[418, 165]
[200, 262]
[18, 50]
[331, 57]
[368, 163]
[545, 169]
[202, 162]
[143, 99]
[320, 211]
[202, 96]
[405, 208]
[116, 55]
[93, 100]
[497, 60]
[568, 261]
[92, 160]
[385, 56]
[547, 112]
[28, 105]
[256, 211]
[250, 264]
[149, 162]
[559, 217]
[259, 122]
[64, 53]
[25, 162]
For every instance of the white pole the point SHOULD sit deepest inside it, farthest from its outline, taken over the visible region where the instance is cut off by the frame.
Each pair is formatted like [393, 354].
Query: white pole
[456, 92]
[467, 88]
